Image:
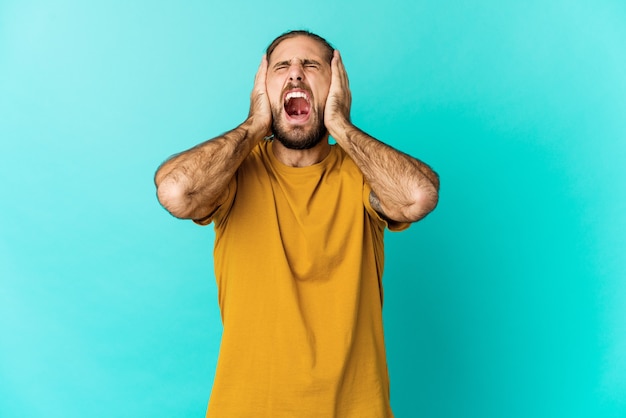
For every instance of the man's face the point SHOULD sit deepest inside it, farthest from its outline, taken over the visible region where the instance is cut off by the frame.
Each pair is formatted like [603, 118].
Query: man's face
[298, 79]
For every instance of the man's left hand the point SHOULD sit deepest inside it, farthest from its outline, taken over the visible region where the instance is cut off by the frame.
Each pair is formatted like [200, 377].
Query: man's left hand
[337, 110]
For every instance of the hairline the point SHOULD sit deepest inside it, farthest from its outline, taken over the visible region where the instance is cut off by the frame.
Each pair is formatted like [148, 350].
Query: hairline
[329, 50]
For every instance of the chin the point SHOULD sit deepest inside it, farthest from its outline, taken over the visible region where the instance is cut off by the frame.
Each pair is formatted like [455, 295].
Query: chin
[299, 137]
[301, 145]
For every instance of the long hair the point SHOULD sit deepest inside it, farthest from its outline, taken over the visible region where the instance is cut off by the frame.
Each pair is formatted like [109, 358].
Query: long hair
[293, 33]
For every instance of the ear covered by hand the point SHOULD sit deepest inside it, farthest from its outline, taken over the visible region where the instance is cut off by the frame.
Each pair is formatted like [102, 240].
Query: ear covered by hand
[260, 110]
[339, 102]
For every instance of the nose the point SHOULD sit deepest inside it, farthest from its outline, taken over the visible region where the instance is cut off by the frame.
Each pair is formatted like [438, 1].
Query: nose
[296, 72]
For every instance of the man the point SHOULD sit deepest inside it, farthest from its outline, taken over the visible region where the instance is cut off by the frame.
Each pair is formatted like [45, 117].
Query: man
[299, 240]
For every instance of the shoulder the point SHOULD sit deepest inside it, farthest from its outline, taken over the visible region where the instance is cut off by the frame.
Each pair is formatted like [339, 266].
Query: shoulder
[344, 161]
[256, 159]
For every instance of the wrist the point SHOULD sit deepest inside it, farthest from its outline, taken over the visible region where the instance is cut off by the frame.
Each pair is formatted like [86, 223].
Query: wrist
[338, 128]
[256, 128]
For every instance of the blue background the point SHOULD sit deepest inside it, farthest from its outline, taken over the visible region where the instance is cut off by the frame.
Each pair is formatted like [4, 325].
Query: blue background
[507, 301]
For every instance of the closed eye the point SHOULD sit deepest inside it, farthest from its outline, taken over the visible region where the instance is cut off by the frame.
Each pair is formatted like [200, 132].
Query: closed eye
[281, 65]
[311, 64]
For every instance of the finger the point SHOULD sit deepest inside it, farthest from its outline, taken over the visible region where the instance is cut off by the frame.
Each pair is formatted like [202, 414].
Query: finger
[334, 66]
[341, 69]
[261, 74]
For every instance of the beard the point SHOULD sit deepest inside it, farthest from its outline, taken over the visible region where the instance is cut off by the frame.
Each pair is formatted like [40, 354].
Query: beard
[298, 137]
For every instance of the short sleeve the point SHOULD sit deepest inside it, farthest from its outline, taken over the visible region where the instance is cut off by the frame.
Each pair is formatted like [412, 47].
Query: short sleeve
[221, 212]
[391, 225]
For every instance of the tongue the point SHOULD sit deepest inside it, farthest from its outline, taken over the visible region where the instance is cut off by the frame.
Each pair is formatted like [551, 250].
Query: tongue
[297, 107]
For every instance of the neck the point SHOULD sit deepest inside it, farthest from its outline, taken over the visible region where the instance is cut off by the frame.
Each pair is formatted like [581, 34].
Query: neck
[301, 158]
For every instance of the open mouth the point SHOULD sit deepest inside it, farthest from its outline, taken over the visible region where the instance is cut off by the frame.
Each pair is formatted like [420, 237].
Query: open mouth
[297, 105]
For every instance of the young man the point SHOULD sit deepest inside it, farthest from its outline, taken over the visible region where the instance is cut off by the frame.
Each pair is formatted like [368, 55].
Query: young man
[299, 229]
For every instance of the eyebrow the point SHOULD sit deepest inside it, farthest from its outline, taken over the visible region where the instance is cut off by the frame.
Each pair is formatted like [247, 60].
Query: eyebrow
[305, 61]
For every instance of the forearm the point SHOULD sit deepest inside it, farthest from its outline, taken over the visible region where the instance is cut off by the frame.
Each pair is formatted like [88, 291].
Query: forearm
[406, 188]
[191, 184]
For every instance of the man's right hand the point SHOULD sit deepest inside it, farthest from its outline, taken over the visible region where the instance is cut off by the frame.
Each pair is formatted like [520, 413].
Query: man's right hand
[260, 114]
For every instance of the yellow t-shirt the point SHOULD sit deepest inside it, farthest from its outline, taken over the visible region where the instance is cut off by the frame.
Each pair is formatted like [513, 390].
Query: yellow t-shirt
[298, 263]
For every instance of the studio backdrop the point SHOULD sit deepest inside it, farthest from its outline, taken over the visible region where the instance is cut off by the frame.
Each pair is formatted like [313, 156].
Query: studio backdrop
[509, 300]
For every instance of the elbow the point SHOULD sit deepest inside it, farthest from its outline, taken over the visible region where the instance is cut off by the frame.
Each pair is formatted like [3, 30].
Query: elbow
[174, 197]
[424, 201]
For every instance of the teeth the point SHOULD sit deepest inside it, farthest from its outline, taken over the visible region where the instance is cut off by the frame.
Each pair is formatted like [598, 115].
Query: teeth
[294, 94]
